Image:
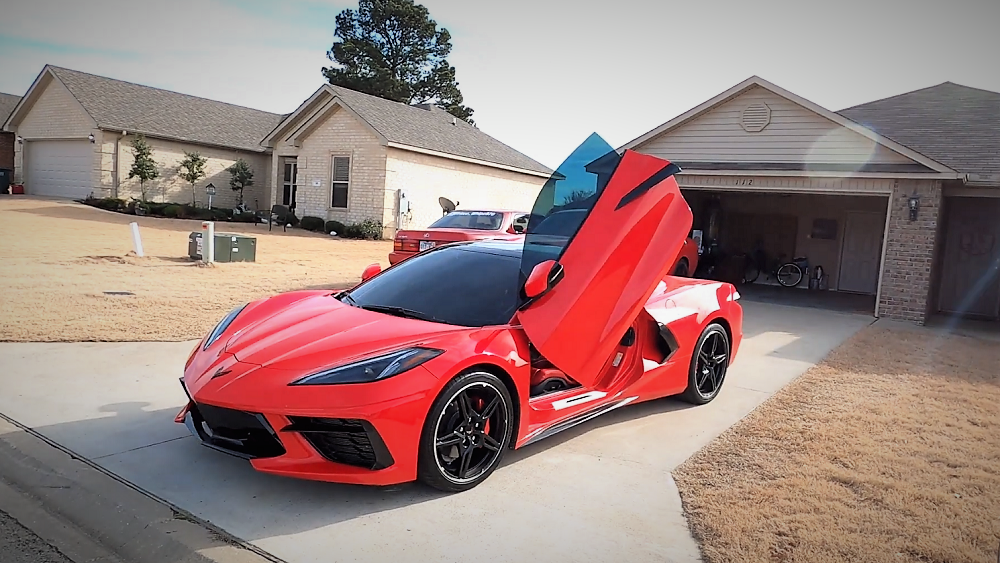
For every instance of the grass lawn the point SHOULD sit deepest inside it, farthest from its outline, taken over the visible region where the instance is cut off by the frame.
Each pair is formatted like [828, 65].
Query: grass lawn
[59, 258]
[888, 451]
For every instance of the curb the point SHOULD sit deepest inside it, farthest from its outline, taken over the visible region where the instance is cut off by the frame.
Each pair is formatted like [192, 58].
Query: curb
[90, 514]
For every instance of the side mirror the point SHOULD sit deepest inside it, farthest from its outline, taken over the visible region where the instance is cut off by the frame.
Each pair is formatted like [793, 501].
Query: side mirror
[542, 279]
[370, 272]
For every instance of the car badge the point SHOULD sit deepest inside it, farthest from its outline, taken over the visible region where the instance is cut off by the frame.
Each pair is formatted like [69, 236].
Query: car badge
[427, 235]
[221, 372]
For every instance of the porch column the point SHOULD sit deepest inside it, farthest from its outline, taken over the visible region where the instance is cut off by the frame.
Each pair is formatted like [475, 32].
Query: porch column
[910, 252]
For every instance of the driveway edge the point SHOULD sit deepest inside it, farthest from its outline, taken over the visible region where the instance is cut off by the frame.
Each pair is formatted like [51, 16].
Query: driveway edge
[90, 514]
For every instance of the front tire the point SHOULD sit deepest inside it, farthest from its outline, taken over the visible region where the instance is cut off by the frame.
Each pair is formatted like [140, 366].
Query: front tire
[709, 365]
[466, 433]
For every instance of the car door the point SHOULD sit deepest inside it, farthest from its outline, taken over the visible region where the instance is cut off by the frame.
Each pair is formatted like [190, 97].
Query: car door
[615, 223]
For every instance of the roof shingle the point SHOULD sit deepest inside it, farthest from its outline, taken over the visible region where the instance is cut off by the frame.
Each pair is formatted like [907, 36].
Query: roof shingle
[433, 129]
[7, 104]
[115, 104]
[955, 125]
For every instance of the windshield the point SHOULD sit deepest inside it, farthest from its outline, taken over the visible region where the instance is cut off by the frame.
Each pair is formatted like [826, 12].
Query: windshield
[477, 220]
[452, 285]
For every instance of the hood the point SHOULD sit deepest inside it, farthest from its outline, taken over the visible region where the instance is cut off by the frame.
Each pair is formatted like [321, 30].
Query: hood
[320, 331]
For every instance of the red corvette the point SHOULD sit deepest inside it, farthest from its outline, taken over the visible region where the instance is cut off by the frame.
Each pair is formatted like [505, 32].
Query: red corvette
[460, 225]
[432, 369]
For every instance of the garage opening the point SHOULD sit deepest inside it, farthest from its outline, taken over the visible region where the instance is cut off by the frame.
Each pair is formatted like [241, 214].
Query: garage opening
[791, 248]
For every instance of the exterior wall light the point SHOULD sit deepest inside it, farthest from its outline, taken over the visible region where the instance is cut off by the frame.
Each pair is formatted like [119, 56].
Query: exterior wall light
[914, 205]
[20, 140]
[90, 137]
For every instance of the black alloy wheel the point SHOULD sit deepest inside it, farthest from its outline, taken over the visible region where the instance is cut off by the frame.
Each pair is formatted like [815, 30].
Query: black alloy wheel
[466, 433]
[708, 366]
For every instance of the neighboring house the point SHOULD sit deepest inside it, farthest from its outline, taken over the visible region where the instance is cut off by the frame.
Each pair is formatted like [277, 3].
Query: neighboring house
[75, 130]
[762, 164]
[341, 155]
[7, 104]
[347, 156]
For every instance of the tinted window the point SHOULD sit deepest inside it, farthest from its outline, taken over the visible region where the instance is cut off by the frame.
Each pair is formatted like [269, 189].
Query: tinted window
[478, 220]
[453, 285]
[561, 223]
[565, 201]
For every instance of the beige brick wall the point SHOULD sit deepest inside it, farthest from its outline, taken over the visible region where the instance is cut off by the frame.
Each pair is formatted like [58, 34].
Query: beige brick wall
[56, 115]
[340, 134]
[425, 178]
[910, 252]
[171, 187]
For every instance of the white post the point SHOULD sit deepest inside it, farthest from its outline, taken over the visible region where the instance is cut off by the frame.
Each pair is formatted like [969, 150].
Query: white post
[208, 242]
[136, 240]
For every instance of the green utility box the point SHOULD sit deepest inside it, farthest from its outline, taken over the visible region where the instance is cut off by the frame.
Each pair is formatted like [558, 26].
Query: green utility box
[229, 247]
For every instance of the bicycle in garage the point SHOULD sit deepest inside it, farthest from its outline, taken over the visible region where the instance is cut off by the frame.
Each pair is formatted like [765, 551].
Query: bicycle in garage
[787, 273]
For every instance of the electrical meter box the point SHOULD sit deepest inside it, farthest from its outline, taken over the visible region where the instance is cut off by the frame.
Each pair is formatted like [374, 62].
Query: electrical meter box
[229, 247]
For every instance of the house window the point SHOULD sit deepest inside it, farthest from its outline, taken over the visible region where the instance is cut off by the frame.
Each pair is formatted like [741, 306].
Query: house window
[288, 184]
[341, 181]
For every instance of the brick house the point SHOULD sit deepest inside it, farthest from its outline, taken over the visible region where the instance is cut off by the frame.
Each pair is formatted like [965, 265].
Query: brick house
[761, 164]
[341, 155]
[348, 156]
[7, 104]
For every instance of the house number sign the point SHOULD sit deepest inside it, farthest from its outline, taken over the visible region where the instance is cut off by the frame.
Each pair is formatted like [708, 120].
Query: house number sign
[744, 182]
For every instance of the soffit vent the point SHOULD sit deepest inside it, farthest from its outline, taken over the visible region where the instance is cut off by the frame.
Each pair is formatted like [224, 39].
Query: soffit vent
[755, 117]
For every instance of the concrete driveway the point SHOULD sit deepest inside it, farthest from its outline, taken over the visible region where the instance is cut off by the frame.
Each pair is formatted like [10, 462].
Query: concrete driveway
[601, 491]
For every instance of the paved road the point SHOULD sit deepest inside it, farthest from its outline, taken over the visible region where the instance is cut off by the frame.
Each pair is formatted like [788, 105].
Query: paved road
[20, 545]
[599, 492]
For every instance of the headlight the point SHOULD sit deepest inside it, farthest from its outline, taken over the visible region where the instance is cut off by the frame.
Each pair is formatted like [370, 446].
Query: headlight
[222, 326]
[372, 369]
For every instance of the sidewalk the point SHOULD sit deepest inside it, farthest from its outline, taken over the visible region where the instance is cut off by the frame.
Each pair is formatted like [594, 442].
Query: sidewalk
[57, 508]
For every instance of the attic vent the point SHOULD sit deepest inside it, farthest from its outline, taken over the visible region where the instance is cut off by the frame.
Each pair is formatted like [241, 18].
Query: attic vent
[755, 117]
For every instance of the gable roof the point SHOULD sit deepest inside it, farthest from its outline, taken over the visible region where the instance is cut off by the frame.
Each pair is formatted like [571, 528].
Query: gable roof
[756, 81]
[119, 105]
[7, 104]
[411, 127]
[955, 125]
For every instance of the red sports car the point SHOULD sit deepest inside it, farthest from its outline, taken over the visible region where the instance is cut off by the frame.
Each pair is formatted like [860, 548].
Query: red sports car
[460, 225]
[431, 369]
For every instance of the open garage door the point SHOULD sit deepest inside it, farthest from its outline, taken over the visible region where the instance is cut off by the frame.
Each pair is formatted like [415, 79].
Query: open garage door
[59, 168]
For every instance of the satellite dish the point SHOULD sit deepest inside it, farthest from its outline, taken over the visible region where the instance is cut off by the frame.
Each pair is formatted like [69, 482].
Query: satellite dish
[446, 205]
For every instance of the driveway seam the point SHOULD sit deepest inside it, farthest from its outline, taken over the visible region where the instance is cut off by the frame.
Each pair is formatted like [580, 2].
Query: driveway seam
[139, 448]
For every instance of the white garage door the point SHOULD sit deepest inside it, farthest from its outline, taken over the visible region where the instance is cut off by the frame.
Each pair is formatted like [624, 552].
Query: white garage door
[59, 168]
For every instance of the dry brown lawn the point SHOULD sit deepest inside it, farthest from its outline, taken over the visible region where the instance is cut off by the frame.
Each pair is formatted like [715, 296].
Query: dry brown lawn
[887, 451]
[59, 258]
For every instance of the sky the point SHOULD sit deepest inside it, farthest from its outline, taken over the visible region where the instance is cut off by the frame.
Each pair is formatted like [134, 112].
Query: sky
[541, 76]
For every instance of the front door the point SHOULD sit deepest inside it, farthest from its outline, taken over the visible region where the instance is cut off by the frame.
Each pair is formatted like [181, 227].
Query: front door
[861, 253]
[616, 223]
[288, 186]
[970, 275]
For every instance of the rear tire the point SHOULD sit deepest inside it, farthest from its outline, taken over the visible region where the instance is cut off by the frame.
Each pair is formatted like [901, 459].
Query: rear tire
[681, 270]
[789, 274]
[709, 364]
[466, 434]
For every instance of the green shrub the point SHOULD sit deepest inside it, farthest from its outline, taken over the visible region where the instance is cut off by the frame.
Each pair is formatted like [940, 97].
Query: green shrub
[369, 229]
[159, 208]
[335, 226]
[106, 203]
[220, 214]
[204, 214]
[245, 218]
[315, 224]
[170, 211]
